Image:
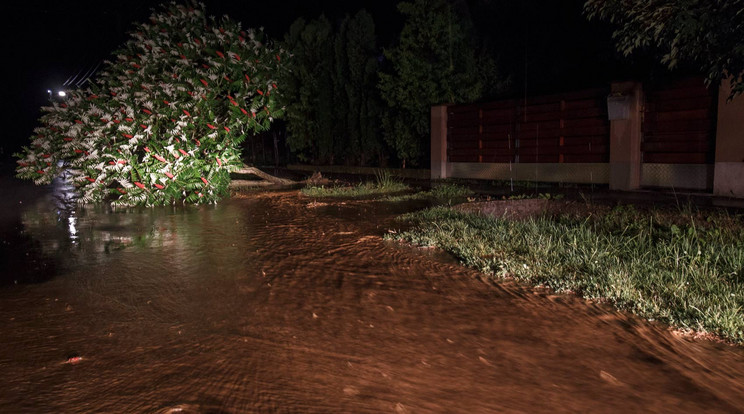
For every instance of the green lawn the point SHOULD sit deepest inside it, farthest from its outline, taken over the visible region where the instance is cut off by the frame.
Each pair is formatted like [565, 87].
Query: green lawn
[684, 268]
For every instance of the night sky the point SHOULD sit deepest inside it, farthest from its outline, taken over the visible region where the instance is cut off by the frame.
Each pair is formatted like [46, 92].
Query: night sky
[544, 45]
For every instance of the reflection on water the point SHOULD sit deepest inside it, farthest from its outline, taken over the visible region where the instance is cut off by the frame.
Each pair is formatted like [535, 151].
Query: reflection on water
[63, 234]
[272, 303]
[54, 232]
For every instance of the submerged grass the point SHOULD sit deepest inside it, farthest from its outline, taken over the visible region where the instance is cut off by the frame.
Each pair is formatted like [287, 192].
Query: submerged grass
[447, 193]
[683, 269]
[384, 184]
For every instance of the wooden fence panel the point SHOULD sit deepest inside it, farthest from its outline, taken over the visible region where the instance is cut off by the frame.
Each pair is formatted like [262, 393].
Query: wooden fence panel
[570, 127]
[679, 123]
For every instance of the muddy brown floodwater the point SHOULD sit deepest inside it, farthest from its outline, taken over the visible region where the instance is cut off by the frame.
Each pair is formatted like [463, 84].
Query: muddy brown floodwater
[271, 303]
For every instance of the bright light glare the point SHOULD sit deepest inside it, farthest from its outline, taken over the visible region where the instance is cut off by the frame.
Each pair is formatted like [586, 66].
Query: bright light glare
[61, 93]
[73, 228]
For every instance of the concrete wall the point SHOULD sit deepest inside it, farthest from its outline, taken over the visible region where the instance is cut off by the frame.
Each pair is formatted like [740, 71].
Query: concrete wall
[679, 176]
[585, 173]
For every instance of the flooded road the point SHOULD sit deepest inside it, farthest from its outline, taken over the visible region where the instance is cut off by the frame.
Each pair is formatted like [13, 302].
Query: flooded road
[274, 303]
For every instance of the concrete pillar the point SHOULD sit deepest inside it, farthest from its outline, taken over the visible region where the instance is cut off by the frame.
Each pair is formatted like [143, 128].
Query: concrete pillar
[728, 176]
[625, 137]
[438, 142]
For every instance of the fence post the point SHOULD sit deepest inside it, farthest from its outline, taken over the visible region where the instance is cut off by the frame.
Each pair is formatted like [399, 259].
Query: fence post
[625, 138]
[728, 175]
[438, 142]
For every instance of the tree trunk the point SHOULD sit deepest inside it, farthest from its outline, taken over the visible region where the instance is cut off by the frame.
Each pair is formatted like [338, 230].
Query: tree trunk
[263, 149]
[276, 149]
[253, 150]
[268, 177]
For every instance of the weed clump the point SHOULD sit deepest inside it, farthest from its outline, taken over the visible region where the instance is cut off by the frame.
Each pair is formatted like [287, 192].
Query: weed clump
[445, 193]
[384, 184]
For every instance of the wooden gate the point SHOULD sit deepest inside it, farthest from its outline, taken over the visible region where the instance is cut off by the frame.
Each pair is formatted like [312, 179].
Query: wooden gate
[678, 135]
[679, 124]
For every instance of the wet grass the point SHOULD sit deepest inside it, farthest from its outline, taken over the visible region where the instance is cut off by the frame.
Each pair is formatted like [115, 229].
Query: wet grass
[446, 193]
[684, 268]
[384, 184]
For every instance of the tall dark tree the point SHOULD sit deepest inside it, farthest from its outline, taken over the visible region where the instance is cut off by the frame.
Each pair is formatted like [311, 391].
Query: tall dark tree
[356, 80]
[331, 97]
[707, 33]
[435, 61]
[309, 94]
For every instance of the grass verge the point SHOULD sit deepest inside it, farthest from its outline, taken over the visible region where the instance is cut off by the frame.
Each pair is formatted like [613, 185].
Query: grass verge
[682, 269]
[446, 193]
[384, 184]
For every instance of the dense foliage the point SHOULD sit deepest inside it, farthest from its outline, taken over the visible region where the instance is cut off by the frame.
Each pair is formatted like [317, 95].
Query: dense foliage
[435, 62]
[709, 33]
[348, 103]
[162, 123]
[330, 95]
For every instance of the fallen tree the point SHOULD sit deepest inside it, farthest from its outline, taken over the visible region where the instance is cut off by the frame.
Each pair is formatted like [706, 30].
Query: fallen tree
[163, 121]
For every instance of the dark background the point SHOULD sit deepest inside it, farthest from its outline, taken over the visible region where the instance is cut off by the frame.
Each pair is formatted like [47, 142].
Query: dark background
[543, 45]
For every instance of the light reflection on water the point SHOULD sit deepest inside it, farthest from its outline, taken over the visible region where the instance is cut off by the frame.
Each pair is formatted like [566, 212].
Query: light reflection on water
[77, 235]
[272, 304]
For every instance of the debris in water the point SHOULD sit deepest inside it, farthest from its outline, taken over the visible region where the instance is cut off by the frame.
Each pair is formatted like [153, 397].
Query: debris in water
[609, 378]
[73, 359]
[401, 409]
[351, 391]
[485, 361]
[315, 204]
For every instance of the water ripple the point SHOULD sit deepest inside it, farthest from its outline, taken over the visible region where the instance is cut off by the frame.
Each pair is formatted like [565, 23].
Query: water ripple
[266, 305]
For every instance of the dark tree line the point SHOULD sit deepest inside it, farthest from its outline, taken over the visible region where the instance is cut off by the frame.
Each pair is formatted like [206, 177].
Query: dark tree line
[349, 101]
[352, 101]
[331, 91]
